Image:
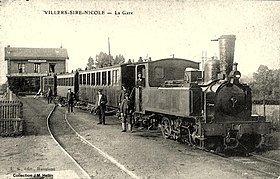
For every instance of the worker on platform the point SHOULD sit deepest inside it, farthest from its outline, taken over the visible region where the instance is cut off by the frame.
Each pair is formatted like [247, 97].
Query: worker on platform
[70, 100]
[126, 110]
[49, 95]
[101, 106]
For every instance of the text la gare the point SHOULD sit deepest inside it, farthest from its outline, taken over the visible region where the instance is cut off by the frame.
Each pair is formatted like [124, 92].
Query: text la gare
[123, 13]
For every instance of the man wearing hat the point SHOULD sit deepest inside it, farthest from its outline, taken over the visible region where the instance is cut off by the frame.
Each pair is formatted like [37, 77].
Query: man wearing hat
[126, 113]
[101, 106]
[70, 100]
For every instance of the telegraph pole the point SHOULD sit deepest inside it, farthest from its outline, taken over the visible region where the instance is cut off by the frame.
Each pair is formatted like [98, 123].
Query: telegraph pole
[109, 52]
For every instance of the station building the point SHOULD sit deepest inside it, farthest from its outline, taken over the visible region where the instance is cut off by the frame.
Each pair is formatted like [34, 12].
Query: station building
[26, 67]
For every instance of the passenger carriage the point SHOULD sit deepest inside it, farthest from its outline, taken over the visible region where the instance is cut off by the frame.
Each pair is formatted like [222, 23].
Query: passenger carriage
[110, 79]
[67, 81]
[49, 82]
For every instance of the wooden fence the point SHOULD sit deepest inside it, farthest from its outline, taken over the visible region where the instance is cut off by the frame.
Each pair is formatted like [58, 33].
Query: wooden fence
[11, 118]
[272, 113]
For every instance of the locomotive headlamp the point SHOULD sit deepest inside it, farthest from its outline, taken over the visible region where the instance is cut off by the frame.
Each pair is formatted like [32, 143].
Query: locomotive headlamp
[236, 74]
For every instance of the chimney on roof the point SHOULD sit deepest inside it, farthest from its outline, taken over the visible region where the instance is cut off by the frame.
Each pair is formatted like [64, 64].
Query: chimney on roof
[8, 46]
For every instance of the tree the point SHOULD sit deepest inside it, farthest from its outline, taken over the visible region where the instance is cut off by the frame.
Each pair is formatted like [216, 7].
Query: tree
[103, 60]
[90, 64]
[119, 59]
[266, 83]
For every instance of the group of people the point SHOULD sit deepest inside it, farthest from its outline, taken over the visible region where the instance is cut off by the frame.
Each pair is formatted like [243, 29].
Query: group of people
[126, 106]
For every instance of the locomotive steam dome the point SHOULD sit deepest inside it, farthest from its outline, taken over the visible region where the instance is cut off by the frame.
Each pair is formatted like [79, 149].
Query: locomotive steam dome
[211, 70]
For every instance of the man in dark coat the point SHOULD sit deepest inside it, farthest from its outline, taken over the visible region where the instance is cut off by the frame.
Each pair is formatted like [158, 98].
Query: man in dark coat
[101, 106]
[49, 95]
[70, 100]
[126, 113]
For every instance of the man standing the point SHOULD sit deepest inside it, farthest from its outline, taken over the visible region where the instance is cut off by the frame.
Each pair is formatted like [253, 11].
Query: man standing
[49, 95]
[126, 113]
[122, 94]
[101, 106]
[70, 100]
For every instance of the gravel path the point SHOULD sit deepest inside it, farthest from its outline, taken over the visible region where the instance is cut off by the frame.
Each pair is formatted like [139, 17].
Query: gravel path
[35, 152]
[148, 155]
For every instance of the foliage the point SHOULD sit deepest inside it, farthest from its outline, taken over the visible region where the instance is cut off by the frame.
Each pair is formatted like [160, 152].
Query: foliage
[90, 64]
[119, 59]
[103, 60]
[265, 83]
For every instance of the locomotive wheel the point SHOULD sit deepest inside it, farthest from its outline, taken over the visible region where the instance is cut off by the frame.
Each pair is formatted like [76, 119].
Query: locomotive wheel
[166, 127]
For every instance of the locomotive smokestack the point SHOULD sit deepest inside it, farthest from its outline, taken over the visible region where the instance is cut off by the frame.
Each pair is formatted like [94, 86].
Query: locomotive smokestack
[226, 47]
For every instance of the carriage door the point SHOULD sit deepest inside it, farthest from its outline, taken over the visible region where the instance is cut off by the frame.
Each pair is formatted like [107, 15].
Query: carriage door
[140, 84]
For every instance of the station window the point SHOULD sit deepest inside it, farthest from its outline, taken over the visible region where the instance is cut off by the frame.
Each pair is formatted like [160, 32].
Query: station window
[109, 77]
[51, 68]
[104, 77]
[37, 67]
[88, 79]
[84, 79]
[21, 67]
[93, 79]
[98, 78]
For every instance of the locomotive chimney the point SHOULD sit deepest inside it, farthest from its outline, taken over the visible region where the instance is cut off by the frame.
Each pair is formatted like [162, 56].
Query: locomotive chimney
[226, 47]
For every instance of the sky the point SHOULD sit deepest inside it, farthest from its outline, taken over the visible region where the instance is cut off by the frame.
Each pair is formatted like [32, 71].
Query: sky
[156, 29]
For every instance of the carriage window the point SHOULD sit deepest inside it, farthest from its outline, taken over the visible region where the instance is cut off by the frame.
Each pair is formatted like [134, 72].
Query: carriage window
[115, 77]
[84, 79]
[104, 76]
[98, 78]
[109, 77]
[93, 79]
[159, 72]
[71, 81]
[81, 79]
[88, 79]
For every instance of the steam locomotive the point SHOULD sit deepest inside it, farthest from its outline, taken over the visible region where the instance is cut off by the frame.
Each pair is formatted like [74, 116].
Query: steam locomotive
[210, 109]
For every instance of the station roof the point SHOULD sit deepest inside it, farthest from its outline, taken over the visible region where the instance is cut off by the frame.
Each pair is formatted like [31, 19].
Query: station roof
[19, 53]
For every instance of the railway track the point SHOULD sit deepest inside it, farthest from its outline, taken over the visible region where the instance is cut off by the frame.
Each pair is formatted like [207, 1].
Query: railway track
[86, 175]
[92, 161]
[268, 167]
